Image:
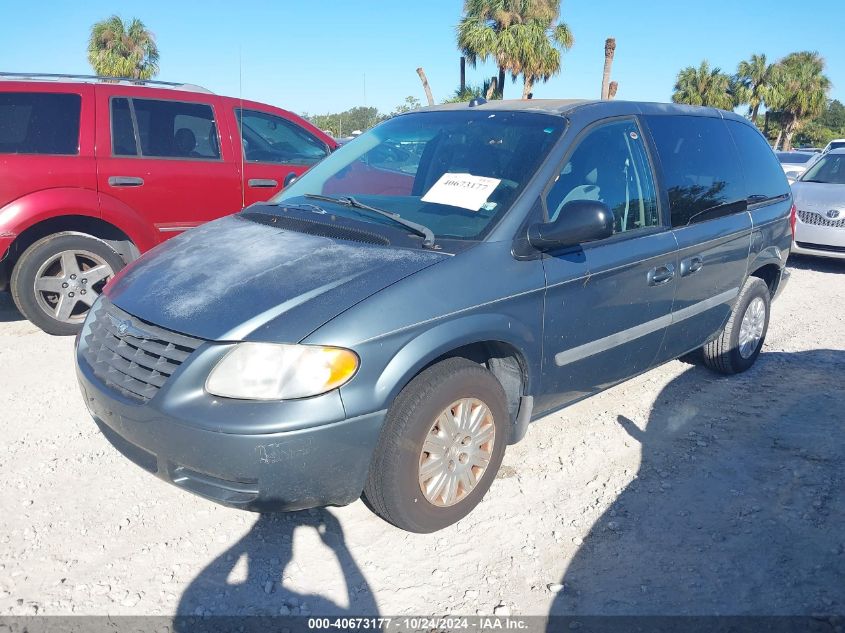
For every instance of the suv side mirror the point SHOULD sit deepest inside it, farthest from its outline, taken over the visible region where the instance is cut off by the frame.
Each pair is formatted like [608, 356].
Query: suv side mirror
[290, 179]
[579, 221]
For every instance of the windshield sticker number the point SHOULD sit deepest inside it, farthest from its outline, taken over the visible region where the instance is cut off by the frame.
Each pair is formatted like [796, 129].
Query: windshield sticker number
[461, 190]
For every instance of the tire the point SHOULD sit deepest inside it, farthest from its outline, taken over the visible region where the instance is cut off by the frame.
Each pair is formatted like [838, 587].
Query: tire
[394, 490]
[726, 354]
[49, 285]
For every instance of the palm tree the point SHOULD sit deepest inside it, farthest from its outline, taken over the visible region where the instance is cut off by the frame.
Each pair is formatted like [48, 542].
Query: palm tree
[524, 37]
[117, 51]
[754, 81]
[704, 87]
[799, 91]
[609, 52]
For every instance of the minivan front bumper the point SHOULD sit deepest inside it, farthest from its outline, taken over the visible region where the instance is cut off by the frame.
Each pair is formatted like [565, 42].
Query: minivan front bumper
[308, 467]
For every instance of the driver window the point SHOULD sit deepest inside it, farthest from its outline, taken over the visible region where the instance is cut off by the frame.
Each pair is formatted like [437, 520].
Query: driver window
[610, 165]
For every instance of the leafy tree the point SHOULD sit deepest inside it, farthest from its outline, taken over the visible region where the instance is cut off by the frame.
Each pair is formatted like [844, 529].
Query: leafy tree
[344, 123]
[799, 91]
[469, 93]
[115, 50]
[704, 87]
[524, 37]
[753, 83]
[410, 103]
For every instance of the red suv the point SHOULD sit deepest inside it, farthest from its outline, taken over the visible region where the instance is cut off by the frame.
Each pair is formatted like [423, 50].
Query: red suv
[95, 171]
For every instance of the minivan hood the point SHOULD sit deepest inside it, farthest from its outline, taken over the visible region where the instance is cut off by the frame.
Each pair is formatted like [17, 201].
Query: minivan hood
[818, 196]
[234, 279]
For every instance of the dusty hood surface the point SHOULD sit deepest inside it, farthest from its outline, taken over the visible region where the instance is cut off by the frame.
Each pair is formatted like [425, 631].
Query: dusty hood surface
[234, 279]
[819, 197]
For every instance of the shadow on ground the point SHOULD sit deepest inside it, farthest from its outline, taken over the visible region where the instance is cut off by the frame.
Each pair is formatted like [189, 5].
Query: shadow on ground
[739, 503]
[8, 310]
[256, 587]
[819, 264]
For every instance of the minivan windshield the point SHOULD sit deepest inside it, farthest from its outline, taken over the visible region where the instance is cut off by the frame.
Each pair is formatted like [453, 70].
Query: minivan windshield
[454, 172]
[830, 170]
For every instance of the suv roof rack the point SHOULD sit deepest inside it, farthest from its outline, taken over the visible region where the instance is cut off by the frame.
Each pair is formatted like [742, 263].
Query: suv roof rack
[111, 80]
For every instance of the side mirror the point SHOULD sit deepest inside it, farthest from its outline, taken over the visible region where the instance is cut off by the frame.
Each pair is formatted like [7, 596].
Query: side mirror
[793, 175]
[290, 179]
[579, 221]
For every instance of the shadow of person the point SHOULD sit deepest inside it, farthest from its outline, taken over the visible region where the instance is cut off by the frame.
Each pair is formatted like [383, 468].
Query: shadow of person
[253, 577]
[738, 506]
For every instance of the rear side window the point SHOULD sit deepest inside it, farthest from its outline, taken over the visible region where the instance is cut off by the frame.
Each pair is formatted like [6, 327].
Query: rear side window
[272, 139]
[39, 123]
[700, 168]
[165, 129]
[764, 177]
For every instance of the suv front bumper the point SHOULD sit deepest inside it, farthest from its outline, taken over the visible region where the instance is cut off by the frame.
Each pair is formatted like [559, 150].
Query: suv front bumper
[275, 471]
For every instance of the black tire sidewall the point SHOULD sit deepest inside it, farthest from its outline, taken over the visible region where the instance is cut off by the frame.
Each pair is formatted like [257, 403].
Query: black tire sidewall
[757, 289]
[467, 382]
[23, 275]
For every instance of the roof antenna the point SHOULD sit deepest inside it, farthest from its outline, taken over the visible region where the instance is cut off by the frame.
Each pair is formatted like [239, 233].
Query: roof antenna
[477, 101]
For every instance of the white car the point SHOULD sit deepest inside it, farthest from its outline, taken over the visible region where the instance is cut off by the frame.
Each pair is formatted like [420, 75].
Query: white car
[837, 143]
[796, 162]
[819, 197]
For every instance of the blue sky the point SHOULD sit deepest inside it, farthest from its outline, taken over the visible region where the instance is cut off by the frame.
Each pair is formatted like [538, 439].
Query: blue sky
[328, 55]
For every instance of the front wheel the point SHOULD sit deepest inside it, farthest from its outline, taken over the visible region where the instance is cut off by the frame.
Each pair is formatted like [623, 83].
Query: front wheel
[57, 280]
[740, 342]
[441, 447]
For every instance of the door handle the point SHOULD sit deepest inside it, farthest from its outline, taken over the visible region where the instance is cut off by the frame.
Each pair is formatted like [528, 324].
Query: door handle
[262, 182]
[691, 265]
[661, 274]
[125, 181]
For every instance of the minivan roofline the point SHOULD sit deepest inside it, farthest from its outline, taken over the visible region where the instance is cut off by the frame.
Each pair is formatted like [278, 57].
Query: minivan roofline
[564, 107]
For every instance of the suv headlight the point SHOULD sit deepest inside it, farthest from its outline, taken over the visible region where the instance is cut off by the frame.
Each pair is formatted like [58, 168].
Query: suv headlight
[270, 371]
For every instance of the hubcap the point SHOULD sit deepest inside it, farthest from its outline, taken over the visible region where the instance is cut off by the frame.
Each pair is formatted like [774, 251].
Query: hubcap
[68, 284]
[751, 328]
[456, 452]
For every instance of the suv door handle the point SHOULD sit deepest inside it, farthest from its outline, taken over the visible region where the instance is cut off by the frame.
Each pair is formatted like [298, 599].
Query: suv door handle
[125, 181]
[691, 265]
[661, 274]
[262, 182]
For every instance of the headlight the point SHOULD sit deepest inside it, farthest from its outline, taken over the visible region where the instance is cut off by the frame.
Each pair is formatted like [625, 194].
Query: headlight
[267, 371]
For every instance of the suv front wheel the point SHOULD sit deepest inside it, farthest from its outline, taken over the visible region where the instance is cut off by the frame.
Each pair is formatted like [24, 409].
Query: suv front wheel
[57, 280]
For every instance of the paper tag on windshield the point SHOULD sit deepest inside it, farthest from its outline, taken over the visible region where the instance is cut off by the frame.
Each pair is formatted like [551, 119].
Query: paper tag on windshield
[461, 190]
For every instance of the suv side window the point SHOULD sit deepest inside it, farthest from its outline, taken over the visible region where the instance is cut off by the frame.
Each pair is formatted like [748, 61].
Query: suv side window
[610, 164]
[764, 177]
[166, 129]
[39, 123]
[272, 139]
[700, 167]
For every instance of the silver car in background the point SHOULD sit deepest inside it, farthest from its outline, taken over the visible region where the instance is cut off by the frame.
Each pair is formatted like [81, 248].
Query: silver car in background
[819, 197]
[796, 162]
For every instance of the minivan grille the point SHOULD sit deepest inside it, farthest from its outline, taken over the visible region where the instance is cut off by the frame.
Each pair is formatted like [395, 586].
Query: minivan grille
[808, 217]
[132, 356]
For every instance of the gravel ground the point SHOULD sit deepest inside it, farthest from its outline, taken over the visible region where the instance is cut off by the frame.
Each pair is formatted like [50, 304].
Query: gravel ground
[677, 492]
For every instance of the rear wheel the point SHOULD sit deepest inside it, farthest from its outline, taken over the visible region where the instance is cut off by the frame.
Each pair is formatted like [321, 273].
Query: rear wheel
[741, 340]
[57, 280]
[441, 447]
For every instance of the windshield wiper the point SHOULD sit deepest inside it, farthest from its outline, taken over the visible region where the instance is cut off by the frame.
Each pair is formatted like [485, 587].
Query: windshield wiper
[349, 201]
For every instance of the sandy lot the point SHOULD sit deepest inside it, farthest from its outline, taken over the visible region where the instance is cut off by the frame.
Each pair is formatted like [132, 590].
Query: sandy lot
[678, 492]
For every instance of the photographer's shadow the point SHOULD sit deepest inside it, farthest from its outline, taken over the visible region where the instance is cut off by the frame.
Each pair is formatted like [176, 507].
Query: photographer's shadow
[738, 505]
[249, 578]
